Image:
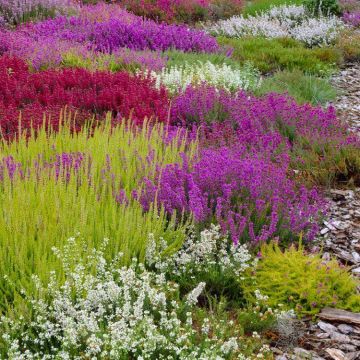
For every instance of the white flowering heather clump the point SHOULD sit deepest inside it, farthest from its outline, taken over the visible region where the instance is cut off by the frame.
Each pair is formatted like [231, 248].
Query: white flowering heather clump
[282, 21]
[106, 312]
[201, 253]
[178, 78]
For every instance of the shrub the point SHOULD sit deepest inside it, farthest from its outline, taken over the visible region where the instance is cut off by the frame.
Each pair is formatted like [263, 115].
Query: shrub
[188, 11]
[303, 88]
[113, 312]
[352, 18]
[325, 7]
[349, 45]
[318, 144]
[269, 55]
[75, 183]
[286, 21]
[92, 94]
[16, 12]
[302, 282]
[258, 6]
[248, 196]
[178, 78]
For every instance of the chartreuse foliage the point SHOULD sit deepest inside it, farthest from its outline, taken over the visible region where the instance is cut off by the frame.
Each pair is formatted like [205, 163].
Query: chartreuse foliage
[300, 282]
[269, 55]
[63, 183]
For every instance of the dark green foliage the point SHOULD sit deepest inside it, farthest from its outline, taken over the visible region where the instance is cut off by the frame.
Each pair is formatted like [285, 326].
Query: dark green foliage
[269, 55]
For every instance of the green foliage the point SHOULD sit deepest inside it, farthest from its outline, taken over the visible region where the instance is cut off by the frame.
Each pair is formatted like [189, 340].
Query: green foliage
[327, 164]
[269, 55]
[302, 282]
[179, 58]
[304, 88]
[325, 7]
[38, 214]
[257, 6]
[349, 44]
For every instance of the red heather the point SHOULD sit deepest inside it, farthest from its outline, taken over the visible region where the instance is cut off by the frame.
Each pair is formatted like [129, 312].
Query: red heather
[91, 94]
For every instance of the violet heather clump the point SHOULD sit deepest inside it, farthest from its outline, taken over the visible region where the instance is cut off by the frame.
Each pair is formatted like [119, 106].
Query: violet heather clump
[250, 197]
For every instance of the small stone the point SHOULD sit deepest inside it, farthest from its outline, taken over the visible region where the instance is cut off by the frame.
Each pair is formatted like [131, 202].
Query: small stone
[356, 270]
[355, 342]
[281, 357]
[324, 231]
[340, 337]
[323, 335]
[356, 256]
[302, 353]
[329, 226]
[353, 355]
[336, 354]
[346, 329]
[328, 328]
[347, 347]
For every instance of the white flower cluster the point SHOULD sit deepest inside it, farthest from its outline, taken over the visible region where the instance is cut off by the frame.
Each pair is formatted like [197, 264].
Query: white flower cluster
[112, 313]
[178, 78]
[283, 21]
[198, 254]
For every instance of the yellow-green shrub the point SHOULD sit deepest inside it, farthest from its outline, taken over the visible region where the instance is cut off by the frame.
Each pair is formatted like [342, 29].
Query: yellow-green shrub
[39, 214]
[302, 281]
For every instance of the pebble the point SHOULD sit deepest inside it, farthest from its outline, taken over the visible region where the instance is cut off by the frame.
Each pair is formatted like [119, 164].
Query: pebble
[328, 328]
[345, 329]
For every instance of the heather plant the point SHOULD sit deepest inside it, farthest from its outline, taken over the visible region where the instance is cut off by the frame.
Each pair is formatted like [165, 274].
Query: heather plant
[210, 257]
[303, 88]
[269, 55]
[279, 22]
[318, 144]
[183, 11]
[259, 6]
[178, 78]
[325, 7]
[15, 12]
[178, 58]
[121, 60]
[104, 310]
[73, 182]
[304, 282]
[352, 18]
[349, 44]
[90, 94]
[250, 197]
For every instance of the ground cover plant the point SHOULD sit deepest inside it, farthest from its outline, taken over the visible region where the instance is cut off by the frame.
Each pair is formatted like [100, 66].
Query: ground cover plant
[163, 173]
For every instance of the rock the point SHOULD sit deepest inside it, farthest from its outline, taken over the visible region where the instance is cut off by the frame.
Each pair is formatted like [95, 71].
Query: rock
[336, 354]
[339, 315]
[347, 347]
[281, 357]
[356, 256]
[355, 342]
[353, 355]
[341, 338]
[323, 335]
[328, 328]
[356, 271]
[302, 353]
[346, 329]
[324, 231]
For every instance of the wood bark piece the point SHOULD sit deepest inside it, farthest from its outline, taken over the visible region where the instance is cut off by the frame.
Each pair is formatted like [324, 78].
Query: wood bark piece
[331, 314]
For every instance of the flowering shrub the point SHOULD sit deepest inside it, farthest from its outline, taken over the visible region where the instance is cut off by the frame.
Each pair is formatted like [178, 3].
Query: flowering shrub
[287, 21]
[113, 313]
[122, 59]
[250, 197]
[317, 143]
[91, 94]
[178, 78]
[188, 11]
[352, 18]
[14, 12]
